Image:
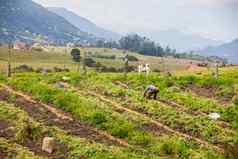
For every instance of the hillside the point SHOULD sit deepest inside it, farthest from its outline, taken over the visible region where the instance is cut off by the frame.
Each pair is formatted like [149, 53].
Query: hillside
[181, 41]
[228, 50]
[28, 21]
[85, 24]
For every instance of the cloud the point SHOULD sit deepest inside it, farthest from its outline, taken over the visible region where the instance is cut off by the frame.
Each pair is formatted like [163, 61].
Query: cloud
[214, 3]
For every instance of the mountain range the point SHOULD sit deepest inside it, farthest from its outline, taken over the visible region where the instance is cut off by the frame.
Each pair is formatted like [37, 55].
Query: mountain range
[182, 42]
[27, 21]
[85, 24]
[227, 50]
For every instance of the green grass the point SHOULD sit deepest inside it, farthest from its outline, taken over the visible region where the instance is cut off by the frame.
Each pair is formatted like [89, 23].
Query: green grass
[57, 57]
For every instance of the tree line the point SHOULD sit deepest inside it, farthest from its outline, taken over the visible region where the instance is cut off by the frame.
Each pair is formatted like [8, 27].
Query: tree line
[145, 46]
[137, 43]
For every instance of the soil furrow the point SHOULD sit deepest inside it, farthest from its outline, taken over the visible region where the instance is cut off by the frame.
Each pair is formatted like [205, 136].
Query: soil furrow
[181, 108]
[7, 132]
[52, 116]
[154, 122]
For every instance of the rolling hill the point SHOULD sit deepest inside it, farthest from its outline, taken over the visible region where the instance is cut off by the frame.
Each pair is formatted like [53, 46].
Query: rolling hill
[228, 51]
[27, 21]
[84, 24]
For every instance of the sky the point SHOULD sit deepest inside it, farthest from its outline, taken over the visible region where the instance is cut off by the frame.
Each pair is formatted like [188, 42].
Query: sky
[214, 19]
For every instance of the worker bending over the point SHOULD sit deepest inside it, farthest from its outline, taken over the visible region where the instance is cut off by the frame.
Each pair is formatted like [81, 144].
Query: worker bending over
[151, 91]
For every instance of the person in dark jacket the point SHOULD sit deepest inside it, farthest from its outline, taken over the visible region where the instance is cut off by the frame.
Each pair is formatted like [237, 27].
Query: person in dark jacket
[151, 91]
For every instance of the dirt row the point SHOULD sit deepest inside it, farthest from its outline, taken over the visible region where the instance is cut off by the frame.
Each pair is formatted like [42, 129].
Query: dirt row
[7, 132]
[182, 108]
[210, 92]
[155, 124]
[51, 116]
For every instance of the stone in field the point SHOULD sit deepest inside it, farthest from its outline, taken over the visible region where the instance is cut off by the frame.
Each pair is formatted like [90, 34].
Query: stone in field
[214, 116]
[48, 144]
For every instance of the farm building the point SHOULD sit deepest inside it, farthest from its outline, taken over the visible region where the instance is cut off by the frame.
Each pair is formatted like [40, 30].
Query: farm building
[19, 46]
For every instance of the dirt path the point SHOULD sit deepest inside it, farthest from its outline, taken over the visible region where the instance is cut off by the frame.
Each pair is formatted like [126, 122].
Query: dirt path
[53, 116]
[154, 122]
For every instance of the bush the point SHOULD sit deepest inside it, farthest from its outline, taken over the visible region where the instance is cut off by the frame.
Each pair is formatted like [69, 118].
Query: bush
[98, 118]
[24, 68]
[157, 70]
[167, 148]
[113, 57]
[132, 58]
[57, 69]
[90, 62]
[38, 49]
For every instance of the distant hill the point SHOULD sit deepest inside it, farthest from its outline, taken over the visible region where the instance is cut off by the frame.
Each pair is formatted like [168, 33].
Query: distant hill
[84, 24]
[228, 50]
[180, 41]
[27, 21]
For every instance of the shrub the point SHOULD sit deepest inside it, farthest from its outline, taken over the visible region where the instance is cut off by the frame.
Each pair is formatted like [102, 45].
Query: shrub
[38, 49]
[57, 69]
[113, 57]
[90, 62]
[167, 148]
[98, 118]
[157, 70]
[24, 68]
[132, 58]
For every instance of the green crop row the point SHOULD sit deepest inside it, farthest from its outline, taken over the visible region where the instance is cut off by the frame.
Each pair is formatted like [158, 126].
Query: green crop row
[94, 112]
[199, 126]
[77, 147]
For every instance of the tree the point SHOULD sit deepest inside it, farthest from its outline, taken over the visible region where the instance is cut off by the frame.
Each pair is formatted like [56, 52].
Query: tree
[142, 45]
[76, 55]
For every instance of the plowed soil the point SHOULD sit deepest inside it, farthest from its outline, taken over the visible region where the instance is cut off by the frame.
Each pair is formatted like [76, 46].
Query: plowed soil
[210, 92]
[74, 127]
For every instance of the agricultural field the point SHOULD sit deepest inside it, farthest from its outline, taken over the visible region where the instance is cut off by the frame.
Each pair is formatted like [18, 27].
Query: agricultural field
[104, 115]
